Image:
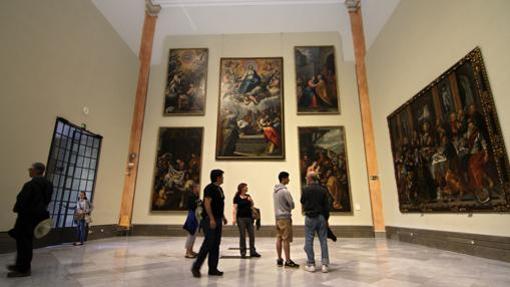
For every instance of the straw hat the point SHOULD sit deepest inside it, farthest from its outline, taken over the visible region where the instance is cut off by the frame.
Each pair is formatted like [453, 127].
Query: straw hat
[43, 228]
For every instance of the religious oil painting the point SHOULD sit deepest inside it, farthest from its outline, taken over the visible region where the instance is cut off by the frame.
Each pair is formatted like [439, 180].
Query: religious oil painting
[177, 168]
[316, 80]
[322, 150]
[250, 110]
[448, 149]
[186, 82]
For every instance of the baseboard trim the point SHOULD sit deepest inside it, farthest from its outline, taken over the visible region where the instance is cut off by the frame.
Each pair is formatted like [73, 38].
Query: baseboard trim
[486, 246]
[349, 231]
[7, 244]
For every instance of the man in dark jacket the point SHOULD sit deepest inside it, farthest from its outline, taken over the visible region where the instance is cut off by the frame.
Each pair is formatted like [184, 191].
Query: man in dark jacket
[316, 206]
[31, 207]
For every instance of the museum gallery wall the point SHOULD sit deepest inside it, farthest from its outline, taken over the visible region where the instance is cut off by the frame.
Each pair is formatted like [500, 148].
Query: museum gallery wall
[249, 125]
[448, 150]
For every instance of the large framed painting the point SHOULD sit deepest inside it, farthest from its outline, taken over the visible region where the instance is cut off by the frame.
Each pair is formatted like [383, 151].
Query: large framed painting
[323, 150]
[316, 80]
[448, 150]
[186, 82]
[177, 168]
[250, 109]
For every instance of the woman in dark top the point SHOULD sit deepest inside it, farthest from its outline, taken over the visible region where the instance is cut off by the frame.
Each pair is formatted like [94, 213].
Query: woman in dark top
[242, 215]
[191, 224]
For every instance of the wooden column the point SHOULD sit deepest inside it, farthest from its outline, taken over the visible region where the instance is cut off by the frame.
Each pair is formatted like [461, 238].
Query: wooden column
[374, 185]
[128, 194]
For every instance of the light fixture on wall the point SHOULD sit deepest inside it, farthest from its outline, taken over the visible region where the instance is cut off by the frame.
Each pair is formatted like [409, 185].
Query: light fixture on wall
[131, 162]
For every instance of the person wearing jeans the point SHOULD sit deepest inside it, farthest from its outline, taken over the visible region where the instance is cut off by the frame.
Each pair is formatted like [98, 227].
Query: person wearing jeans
[83, 209]
[315, 201]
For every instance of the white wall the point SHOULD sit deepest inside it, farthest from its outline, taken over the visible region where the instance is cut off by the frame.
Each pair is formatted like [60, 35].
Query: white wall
[58, 56]
[261, 176]
[420, 41]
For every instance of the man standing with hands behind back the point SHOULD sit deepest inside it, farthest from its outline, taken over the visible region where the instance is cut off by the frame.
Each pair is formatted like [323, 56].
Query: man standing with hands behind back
[213, 218]
[31, 207]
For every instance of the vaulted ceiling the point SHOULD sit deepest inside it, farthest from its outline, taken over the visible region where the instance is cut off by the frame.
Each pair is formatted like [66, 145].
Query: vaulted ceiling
[198, 17]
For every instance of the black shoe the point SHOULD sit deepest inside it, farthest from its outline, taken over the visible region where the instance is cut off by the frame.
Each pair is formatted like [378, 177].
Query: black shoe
[215, 273]
[12, 267]
[255, 254]
[195, 272]
[291, 264]
[243, 255]
[279, 262]
[16, 274]
[331, 235]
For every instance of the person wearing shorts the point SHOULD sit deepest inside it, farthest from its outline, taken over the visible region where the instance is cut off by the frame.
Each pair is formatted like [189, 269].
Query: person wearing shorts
[283, 205]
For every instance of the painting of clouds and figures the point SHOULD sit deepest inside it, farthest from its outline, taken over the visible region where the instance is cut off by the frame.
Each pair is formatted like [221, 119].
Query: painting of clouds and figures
[186, 82]
[250, 110]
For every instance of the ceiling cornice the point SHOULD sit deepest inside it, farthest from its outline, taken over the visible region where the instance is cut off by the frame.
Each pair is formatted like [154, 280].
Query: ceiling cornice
[206, 3]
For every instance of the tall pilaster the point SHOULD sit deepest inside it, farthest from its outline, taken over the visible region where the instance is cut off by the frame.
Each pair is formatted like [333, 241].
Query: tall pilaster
[353, 6]
[128, 194]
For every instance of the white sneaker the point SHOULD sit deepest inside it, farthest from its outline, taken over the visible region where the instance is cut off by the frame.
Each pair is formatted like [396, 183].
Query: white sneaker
[310, 268]
[324, 268]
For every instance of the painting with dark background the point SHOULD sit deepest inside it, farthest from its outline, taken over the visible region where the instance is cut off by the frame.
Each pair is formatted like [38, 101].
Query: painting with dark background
[250, 109]
[448, 150]
[316, 80]
[323, 150]
[186, 82]
[177, 167]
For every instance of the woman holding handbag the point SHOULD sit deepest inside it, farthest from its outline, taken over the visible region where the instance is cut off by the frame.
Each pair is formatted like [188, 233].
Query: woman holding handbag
[82, 216]
[243, 216]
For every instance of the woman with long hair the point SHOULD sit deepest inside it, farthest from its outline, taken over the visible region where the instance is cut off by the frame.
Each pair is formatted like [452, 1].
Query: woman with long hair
[81, 213]
[191, 225]
[242, 215]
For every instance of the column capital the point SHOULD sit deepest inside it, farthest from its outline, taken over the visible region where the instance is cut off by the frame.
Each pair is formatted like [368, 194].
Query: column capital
[151, 8]
[352, 5]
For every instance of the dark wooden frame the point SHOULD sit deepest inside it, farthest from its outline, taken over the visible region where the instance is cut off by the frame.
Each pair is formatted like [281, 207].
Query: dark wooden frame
[302, 180]
[167, 82]
[337, 89]
[279, 156]
[453, 191]
[153, 181]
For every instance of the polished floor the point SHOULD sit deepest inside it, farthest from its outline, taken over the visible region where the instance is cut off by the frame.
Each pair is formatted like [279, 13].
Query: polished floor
[158, 261]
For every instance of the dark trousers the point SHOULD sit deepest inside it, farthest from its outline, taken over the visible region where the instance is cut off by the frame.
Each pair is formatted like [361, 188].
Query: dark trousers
[210, 246]
[246, 224]
[24, 235]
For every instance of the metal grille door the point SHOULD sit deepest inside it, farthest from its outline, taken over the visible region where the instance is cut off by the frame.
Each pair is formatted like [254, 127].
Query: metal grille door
[72, 167]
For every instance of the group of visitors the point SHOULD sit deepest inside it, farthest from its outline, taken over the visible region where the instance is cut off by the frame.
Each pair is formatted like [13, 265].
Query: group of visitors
[32, 209]
[316, 205]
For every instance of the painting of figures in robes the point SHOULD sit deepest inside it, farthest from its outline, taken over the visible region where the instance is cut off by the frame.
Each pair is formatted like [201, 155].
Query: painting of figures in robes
[448, 150]
[316, 80]
[250, 110]
[186, 82]
[322, 150]
[177, 168]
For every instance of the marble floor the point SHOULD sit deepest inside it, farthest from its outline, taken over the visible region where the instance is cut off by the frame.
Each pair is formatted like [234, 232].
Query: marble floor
[158, 261]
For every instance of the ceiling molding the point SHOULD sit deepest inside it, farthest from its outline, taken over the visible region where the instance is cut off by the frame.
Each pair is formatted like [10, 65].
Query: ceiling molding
[216, 17]
[208, 3]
